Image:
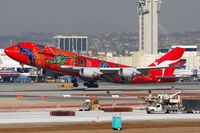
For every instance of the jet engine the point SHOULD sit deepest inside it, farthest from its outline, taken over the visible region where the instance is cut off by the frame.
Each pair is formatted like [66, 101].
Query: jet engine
[90, 72]
[128, 72]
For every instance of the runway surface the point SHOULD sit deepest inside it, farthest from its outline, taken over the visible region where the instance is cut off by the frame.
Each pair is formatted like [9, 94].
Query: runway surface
[102, 86]
[36, 98]
[50, 94]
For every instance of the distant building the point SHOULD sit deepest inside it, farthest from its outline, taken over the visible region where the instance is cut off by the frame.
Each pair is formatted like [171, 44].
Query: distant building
[163, 50]
[77, 44]
[110, 53]
[191, 56]
[148, 11]
[101, 54]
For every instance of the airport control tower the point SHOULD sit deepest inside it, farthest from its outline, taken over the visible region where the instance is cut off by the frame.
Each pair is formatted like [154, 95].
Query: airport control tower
[148, 25]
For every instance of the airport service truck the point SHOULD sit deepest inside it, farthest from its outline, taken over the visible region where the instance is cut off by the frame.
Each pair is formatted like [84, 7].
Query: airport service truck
[160, 108]
[164, 103]
[171, 103]
[90, 104]
[187, 106]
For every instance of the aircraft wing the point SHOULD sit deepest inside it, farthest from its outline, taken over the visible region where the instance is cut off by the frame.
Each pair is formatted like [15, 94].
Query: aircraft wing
[94, 71]
[155, 67]
[144, 70]
[98, 70]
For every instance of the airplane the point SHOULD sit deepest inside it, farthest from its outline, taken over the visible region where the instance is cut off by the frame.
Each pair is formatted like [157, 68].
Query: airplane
[90, 69]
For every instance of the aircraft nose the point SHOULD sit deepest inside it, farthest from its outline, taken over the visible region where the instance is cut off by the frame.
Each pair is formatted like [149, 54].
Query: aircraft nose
[11, 51]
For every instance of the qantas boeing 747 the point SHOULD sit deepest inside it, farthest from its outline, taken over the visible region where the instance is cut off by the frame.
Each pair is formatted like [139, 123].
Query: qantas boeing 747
[90, 69]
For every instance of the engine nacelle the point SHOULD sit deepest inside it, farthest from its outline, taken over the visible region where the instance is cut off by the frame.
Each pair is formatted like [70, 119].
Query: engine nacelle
[90, 72]
[128, 72]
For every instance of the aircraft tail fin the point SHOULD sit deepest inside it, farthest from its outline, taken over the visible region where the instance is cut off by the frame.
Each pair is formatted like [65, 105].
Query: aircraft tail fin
[172, 60]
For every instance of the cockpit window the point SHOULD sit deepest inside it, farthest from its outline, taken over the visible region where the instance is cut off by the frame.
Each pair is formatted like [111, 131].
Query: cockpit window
[40, 46]
[20, 43]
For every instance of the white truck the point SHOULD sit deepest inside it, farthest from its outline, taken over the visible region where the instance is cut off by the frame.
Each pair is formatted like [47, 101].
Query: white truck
[160, 108]
[164, 103]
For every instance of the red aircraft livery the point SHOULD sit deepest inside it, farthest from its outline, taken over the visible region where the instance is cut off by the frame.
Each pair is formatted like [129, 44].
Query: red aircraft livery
[91, 70]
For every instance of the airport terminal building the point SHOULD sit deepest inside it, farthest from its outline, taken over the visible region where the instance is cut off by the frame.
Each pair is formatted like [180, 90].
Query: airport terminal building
[77, 44]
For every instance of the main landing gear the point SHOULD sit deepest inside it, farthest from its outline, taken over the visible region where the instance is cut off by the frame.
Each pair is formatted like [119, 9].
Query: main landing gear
[91, 84]
[74, 81]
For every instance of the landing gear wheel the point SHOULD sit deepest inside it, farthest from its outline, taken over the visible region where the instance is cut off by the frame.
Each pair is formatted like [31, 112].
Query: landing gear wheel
[75, 85]
[74, 81]
[85, 84]
[96, 85]
[89, 86]
[91, 83]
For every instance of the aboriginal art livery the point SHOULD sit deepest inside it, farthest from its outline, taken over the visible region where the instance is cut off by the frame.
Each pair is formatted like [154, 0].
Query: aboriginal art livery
[90, 69]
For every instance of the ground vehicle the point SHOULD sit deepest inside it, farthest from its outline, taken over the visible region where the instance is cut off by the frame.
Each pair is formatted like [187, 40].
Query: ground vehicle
[23, 79]
[172, 103]
[66, 85]
[64, 79]
[191, 105]
[164, 103]
[186, 106]
[90, 104]
[155, 108]
[160, 108]
[49, 79]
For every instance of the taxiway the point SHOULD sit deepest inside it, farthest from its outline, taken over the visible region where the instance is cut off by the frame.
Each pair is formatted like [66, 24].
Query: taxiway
[41, 95]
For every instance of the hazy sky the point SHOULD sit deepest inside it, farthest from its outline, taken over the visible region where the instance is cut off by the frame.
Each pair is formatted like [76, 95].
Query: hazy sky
[92, 16]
